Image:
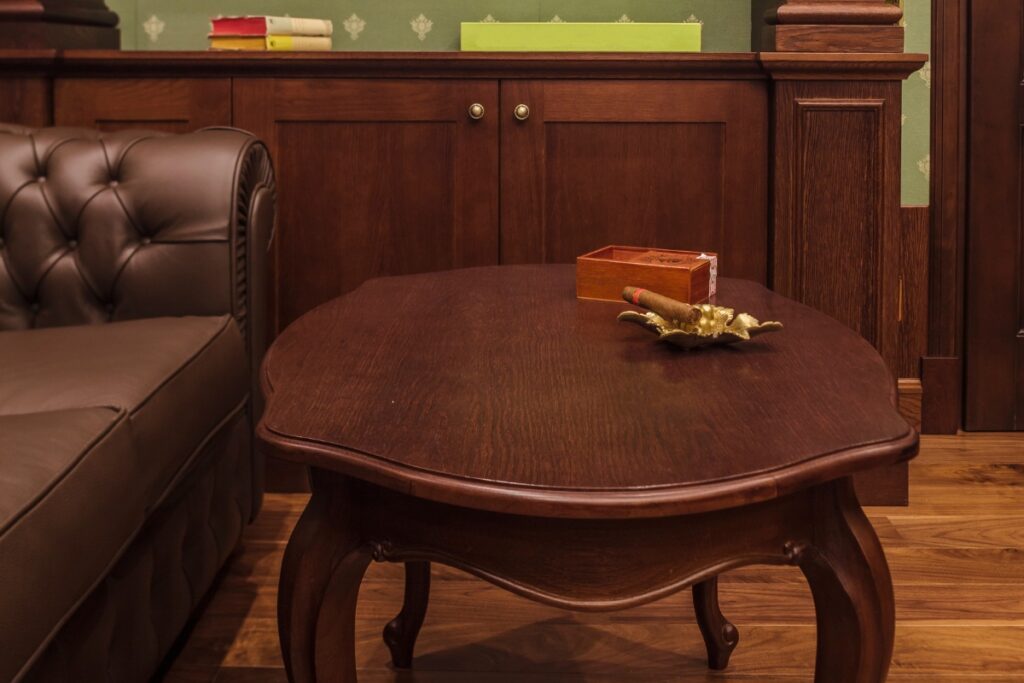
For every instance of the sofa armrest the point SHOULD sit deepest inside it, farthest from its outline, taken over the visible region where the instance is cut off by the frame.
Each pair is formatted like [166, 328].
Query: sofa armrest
[254, 232]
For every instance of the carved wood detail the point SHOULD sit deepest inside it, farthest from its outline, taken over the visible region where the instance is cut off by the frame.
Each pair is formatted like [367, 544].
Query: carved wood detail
[833, 26]
[588, 564]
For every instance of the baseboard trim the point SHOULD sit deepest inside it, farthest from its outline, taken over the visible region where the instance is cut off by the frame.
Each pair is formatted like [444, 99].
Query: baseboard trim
[911, 398]
[941, 402]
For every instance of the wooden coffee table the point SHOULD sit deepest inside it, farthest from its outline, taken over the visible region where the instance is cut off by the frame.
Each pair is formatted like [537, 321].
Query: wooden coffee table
[487, 420]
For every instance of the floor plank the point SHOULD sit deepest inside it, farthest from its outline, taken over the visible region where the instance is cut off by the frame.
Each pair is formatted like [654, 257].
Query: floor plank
[956, 555]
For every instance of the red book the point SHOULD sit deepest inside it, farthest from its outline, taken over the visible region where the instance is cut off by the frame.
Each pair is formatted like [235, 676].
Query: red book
[269, 26]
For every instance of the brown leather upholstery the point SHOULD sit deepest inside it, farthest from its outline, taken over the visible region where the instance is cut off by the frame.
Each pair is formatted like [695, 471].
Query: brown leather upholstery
[126, 462]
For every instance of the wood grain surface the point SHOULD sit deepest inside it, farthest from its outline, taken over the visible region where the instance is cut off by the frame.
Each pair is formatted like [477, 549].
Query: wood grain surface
[956, 554]
[994, 316]
[174, 105]
[496, 388]
[656, 164]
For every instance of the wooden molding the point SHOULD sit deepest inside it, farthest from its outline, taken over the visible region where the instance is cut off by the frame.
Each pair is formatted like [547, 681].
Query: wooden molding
[518, 65]
[832, 66]
[835, 12]
[911, 394]
[833, 26]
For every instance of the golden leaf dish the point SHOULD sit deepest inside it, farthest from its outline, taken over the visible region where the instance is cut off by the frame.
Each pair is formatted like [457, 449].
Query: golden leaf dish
[716, 325]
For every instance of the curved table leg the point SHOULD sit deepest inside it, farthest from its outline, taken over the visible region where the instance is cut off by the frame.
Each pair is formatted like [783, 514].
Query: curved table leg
[320, 576]
[400, 634]
[720, 636]
[852, 590]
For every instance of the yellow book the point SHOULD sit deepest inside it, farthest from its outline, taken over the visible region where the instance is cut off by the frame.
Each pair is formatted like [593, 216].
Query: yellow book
[272, 43]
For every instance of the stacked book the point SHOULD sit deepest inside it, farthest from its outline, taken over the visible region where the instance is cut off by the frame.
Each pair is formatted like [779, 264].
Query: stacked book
[270, 33]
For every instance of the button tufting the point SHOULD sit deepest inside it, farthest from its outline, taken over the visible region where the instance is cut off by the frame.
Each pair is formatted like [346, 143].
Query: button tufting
[34, 308]
[41, 179]
[146, 240]
[113, 183]
[72, 243]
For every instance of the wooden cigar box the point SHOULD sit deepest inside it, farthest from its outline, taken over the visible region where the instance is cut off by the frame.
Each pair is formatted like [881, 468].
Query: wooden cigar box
[682, 275]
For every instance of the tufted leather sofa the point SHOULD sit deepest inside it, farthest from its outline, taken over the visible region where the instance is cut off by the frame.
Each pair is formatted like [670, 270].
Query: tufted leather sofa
[132, 285]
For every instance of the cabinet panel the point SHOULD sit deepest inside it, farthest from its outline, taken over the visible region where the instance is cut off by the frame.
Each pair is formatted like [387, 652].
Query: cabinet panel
[25, 101]
[375, 177]
[174, 105]
[837, 231]
[665, 163]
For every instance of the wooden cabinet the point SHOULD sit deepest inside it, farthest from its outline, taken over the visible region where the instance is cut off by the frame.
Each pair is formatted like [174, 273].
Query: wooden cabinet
[785, 164]
[174, 105]
[375, 177]
[673, 164]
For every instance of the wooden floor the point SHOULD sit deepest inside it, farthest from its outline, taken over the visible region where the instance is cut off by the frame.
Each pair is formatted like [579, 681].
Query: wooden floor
[956, 554]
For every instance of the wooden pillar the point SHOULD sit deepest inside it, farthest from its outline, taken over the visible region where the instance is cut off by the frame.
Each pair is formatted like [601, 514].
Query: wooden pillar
[837, 68]
[58, 24]
[836, 163]
[833, 26]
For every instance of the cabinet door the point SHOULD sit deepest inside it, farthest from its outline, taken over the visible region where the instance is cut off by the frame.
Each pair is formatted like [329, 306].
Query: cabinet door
[670, 164]
[173, 105]
[375, 177]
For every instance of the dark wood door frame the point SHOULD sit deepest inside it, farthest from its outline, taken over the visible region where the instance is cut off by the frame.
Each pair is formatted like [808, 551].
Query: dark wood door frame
[942, 369]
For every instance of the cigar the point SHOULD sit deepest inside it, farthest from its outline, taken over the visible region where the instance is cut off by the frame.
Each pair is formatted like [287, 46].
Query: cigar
[670, 309]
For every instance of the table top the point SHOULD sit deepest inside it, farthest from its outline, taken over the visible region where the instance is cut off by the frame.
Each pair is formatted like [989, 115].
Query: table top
[495, 388]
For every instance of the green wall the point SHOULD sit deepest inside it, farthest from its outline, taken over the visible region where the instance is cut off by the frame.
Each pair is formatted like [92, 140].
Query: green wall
[393, 25]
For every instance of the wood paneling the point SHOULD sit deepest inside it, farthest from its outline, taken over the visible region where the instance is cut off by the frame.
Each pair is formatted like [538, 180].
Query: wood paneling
[836, 211]
[26, 101]
[955, 566]
[912, 308]
[375, 178]
[175, 105]
[942, 384]
[647, 164]
[994, 320]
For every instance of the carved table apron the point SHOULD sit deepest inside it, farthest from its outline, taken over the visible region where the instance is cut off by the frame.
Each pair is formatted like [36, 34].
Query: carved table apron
[486, 420]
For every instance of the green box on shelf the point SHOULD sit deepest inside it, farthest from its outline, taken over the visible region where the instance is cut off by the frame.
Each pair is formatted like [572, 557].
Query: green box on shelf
[580, 37]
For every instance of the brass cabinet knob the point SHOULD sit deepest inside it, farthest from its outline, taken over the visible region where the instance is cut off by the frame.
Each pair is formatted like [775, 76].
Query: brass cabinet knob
[476, 111]
[521, 112]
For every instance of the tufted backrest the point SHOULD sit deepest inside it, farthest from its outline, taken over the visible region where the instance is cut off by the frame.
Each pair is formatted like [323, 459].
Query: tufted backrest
[96, 227]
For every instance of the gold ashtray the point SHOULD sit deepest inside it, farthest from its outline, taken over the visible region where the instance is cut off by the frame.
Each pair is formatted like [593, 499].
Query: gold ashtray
[716, 325]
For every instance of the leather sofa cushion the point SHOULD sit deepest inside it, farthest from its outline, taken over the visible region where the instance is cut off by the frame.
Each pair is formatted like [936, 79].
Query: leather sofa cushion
[176, 378]
[57, 533]
[37, 449]
[97, 424]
